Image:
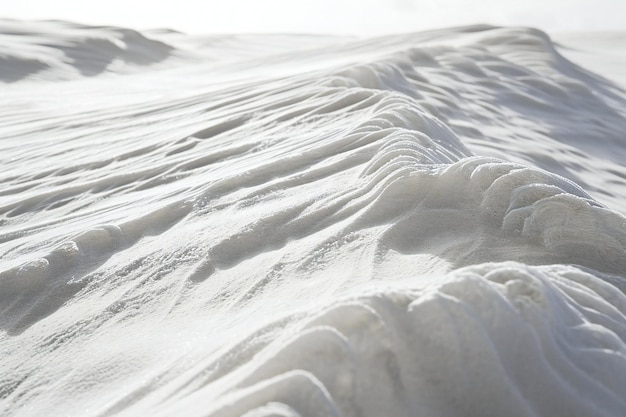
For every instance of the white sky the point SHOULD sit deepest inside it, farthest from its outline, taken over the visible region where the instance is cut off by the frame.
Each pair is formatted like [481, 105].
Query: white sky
[325, 16]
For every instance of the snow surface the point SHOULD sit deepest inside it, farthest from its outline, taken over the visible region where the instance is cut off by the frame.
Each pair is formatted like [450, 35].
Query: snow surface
[423, 224]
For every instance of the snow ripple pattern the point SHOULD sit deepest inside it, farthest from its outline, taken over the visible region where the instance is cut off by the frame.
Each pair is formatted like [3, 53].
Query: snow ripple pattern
[423, 224]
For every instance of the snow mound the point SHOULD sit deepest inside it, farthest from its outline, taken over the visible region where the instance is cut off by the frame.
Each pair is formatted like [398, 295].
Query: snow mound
[60, 50]
[446, 350]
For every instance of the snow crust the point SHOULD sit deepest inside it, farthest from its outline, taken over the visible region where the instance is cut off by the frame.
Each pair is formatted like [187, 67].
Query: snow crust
[424, 224]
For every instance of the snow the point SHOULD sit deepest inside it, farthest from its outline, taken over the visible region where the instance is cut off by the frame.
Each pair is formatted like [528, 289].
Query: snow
[417, 224]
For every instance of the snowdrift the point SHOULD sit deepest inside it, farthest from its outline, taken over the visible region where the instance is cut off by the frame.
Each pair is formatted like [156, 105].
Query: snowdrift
[420, 224]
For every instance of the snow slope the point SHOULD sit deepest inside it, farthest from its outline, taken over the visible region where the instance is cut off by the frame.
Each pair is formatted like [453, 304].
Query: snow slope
[425, 224]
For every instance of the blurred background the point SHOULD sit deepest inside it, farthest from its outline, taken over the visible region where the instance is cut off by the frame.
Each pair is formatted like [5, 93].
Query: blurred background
[358, 17]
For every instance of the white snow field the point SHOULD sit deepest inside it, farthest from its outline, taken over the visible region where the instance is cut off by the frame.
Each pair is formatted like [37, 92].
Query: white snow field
[427, 224]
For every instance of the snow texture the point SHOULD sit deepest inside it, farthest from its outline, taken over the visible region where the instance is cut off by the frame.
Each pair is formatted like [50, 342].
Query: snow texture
[426, 224]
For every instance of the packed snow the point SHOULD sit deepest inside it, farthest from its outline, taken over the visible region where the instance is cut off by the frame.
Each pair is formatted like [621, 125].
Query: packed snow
[425, 224]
